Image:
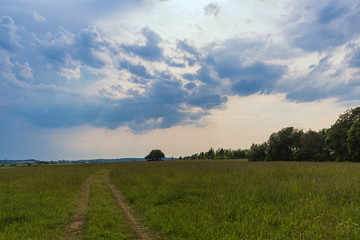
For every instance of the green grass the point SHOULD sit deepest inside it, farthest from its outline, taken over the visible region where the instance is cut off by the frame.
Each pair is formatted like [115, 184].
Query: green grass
[38, 202]
[104, 218]
[242, 200]
[218, 199]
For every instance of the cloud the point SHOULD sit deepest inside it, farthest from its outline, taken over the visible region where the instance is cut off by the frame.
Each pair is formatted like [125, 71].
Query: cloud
[25, 70]
[206, 98]
[87, 43]
[252, 78]
[9, 39]
[163, 104]
[308, 93]
[151, 50]
[66, 51]
[190, 86]
[325, 26]
[183, 45]
[137, 70]
[323, 82]
[142, 87]
[189, 76]
[354, 60]
[71, 71]
[212, 9]
[204, 75]
[170, 62]
[79, 14]
[331, 12]
[38, 18]
[190, 61]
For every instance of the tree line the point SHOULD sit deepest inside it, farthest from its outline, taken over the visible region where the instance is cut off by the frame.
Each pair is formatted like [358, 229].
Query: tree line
[340, 142]
[220, 153]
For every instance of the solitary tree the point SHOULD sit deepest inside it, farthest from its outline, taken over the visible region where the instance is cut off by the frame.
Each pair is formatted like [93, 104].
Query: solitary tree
[155, 155]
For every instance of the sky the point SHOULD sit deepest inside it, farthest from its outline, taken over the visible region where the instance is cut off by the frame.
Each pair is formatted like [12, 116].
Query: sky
[118, 78]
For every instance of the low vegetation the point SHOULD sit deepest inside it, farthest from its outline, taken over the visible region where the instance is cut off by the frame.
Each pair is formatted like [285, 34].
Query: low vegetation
[234, 199]
[204, 199]
[38, 202]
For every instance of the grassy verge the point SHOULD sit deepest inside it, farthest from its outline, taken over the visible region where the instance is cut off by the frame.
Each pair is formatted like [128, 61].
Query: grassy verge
[242, 200]
[104, 218]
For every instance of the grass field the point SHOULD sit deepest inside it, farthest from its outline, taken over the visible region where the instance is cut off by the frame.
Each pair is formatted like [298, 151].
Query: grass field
[37, 202]
[104, 218]
[217, 199]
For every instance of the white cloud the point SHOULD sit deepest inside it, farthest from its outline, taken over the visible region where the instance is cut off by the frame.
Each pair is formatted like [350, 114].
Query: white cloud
[38, 18]
[25, 70]
[9, 38]
[70, 73]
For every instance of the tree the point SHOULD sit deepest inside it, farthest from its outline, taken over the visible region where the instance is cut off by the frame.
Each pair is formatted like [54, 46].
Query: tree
[257, 152]
[210, 154]
[283, 144]
[337, 135]
[353, 140]
[312, 147]
[155, 155]
[220, 153]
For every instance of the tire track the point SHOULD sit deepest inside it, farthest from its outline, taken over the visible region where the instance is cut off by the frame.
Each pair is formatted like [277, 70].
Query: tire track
[74, 230]
[136, 226]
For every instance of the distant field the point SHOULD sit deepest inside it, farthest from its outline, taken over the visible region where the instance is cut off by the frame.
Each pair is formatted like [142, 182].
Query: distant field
[215, 199]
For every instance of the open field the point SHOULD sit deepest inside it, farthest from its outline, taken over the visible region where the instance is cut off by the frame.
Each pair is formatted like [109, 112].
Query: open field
[218, 199]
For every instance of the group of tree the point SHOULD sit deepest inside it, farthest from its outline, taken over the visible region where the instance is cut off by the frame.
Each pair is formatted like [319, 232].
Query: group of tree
[341, 142]
[220, 153]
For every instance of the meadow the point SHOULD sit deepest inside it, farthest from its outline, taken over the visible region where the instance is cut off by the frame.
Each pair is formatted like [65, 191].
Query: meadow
[203, 199]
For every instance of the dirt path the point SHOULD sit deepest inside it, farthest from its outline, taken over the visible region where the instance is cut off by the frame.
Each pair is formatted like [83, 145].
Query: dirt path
[135, 224]
[74, 230]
